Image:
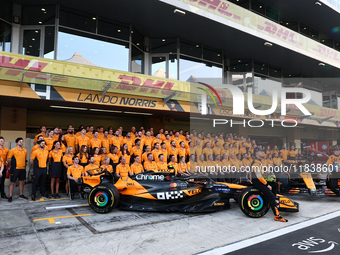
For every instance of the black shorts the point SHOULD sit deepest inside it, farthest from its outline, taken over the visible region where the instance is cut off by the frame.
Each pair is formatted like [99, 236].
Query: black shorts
[18, 173]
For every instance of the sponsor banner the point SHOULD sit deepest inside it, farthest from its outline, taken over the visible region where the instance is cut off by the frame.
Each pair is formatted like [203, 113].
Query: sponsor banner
[16, 67]
[261, 25]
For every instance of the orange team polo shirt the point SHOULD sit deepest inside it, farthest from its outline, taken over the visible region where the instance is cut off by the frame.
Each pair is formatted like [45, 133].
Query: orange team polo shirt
[165, 154]
[106, 144]
[177, 141]
[115, 142]
[246, 162]
[89, 167]
[150, 166]
[100, 136]
[182, 167]
[217, 151]
[83, 160]
[113, 157]
[89, 135]
[41, 156]
[97, 160]
[95, 143]
[123, 170]
[277, 161]
[242, 151]
[137, 152]
[128, 142]
[71, 141]
[3, 154]
[20, 157]
[155, 140]
[226, 163]
[155, 154]
[148, 141]
[75, 172]
[56, 156]
[284, 154]
[292, 153]
[68, 160]
[198, 151]
[207, 152]
[136, 169]
[181, 152]
[82, 141]
[49, 143]
[36, 147]
[173, 152]
[36, 137]
[162, 166]
[127, 157]
[108, 168]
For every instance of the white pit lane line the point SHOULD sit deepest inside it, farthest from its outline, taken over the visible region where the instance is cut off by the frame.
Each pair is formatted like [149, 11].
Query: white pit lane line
[270, 235]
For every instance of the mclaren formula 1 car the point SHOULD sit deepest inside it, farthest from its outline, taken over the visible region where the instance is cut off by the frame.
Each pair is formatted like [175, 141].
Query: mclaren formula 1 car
[304, 177]
[161, 191]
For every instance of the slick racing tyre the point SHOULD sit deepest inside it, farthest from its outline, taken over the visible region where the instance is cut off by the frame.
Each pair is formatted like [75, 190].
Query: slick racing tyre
[103, 198]
[253, 203]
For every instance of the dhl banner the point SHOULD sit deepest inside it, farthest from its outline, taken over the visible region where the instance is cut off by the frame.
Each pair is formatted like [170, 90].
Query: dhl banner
[18, 67]
[261, 25]
[15, 89]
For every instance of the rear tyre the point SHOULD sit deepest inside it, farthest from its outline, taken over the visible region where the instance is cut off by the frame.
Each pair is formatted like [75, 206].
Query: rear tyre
[253, 203]
[104, 198]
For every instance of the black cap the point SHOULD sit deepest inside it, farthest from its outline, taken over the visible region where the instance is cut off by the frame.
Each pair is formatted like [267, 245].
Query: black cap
[258, 148]
[336, 148]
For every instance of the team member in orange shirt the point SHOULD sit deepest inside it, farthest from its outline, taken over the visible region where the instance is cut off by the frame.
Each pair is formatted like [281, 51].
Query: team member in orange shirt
[106, 165]
[43, 133]
[181, 150]
[161, 165]
[49, 140]
[136, 167]
[67, 162]
[89, 134]
[17, 160]
[83, 156]
[97, 157]
[217, 149]
[90, 166]
[207, 150]
[95, 141]
[82, 139]
[284, 152]
[157, 139]
[173, 164]
[56, 168]
[292, 153]
[39, 162]
[70, 138]
[182, 167]
[147, 141]
[155, 152]
[123, 169]
[78, 133]
[149, 164]
[106, 141]
[3, 155]
[101, 133]
[125, 152]
[164, 151]
[173, 150]
[127, 140]
[276, 160]
[137, 150]
[246, 161]
[115, 140]
[167, 142]
[74, 172]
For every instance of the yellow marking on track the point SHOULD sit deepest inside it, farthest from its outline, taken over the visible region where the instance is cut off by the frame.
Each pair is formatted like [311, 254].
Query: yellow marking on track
[51, 219]
[46, 200]
[83, 205]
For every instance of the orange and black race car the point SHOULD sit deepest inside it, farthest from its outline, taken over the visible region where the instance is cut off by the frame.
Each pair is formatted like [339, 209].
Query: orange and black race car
[302, 176]
[162, 191]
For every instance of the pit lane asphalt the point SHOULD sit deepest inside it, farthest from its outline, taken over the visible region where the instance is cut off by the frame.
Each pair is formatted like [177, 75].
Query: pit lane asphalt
[129, 232]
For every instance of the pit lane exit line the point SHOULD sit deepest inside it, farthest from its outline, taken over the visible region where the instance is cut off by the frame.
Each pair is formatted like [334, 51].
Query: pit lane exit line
[270, 235]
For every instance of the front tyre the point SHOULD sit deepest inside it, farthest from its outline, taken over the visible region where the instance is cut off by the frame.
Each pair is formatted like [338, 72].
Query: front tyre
[253, 203]
[103, 198]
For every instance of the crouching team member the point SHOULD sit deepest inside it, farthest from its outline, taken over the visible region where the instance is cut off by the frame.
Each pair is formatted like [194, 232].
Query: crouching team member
[261, 184]
[334, 161]
[74, 172]
[39, 162]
